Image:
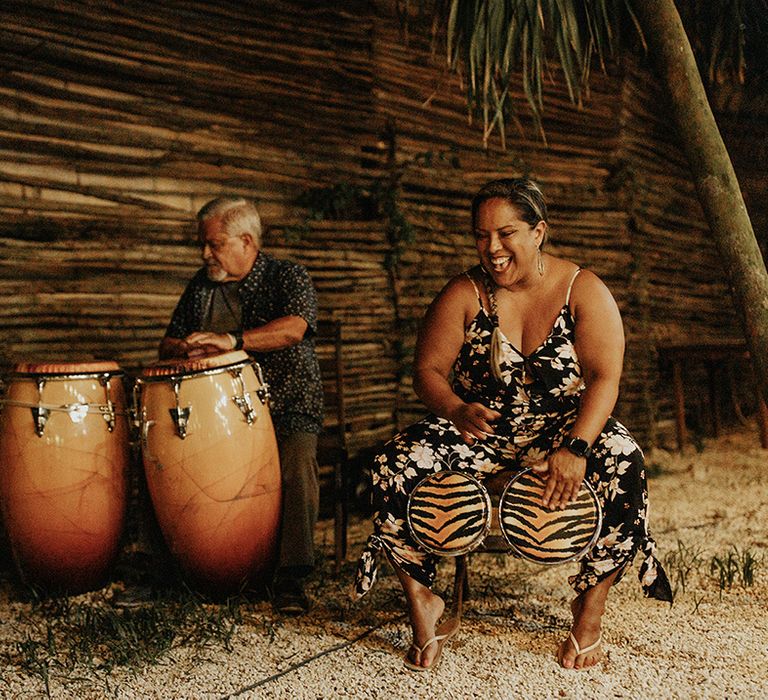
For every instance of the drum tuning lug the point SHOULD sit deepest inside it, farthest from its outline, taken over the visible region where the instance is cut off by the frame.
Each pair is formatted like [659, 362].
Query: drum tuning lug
[40, 416]
[108, 410]
[133, 410]
[243, 401]
[263, 391]
[145, 425]
[180, 416]
[263, 394]
[245, 405]
[108, 414]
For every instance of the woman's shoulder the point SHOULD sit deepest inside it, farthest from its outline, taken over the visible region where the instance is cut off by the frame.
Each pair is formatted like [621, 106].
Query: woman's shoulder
[585, 282]
[467, 283]
[587, 291]
[570, 274]
[459, 296]
[576, 284]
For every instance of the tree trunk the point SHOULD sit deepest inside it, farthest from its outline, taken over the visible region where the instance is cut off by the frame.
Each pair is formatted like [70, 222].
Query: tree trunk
[713, 174]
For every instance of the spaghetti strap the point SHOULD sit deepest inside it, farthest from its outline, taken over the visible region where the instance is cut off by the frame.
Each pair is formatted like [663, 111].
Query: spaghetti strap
[477, 291]
[570, 286]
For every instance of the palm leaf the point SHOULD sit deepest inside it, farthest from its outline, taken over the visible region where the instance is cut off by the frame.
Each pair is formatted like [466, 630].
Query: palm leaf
[497, 42]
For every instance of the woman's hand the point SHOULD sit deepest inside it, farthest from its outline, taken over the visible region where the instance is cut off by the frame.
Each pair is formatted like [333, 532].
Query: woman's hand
[566, 473]
[474, 421]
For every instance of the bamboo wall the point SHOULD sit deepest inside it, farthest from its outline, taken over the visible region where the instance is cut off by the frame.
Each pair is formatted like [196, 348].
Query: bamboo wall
[681, 292]
[428, 112]
[119, 119]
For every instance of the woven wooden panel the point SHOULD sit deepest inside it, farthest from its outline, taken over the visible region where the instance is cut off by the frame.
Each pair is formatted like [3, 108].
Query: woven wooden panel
[118, 121]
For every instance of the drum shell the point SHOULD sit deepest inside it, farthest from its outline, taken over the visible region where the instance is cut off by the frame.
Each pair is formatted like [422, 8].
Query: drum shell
[216, 492]
[64, 493]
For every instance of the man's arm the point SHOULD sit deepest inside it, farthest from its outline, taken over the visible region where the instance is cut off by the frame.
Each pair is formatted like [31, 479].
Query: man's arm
[277, 334]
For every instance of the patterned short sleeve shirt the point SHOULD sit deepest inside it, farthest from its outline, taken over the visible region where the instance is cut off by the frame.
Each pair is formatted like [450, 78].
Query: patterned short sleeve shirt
[272, 289]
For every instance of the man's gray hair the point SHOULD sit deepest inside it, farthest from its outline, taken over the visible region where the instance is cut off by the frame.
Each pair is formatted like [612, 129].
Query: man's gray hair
[237, 214]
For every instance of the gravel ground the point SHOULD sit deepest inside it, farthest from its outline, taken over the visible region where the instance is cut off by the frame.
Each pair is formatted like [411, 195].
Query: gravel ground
[712, 643]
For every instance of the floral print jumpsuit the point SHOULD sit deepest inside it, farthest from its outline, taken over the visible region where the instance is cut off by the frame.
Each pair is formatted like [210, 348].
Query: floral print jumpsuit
[538, 397]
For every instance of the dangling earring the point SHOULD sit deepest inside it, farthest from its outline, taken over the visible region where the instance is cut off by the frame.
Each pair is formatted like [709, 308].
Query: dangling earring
[540, 263]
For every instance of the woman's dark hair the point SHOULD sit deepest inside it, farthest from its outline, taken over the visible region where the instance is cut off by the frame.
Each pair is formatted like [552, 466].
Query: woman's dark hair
[521, 193]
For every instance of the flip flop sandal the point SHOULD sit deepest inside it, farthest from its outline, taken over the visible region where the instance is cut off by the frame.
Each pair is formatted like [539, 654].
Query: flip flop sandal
[447, 630]
[579, 650]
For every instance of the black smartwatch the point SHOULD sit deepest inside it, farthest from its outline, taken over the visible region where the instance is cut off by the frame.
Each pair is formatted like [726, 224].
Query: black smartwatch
[577, 446]
[238, 336]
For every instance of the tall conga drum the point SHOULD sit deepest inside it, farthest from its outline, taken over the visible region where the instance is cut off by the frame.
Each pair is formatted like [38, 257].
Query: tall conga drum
[212, 467]
[63, 471]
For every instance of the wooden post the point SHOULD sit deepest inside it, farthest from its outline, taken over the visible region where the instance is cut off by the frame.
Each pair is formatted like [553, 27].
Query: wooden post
[460, 586]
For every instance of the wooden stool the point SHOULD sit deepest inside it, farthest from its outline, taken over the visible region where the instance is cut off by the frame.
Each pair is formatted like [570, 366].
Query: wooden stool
[494, 543]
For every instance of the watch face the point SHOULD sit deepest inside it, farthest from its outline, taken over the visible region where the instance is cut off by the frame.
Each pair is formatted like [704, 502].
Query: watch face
[578, 446]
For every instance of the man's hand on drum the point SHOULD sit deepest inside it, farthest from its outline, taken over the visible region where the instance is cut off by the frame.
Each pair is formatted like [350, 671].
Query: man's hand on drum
[474, 421]
[565, 475]
[202, 344]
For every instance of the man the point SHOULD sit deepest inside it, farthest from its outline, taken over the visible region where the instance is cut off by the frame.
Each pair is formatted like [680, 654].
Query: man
[245, 298]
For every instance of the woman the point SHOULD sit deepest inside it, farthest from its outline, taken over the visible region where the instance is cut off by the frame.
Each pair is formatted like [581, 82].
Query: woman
[519, 360]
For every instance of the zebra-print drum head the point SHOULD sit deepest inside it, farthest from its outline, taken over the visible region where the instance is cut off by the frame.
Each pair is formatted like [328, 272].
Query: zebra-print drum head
[449, 513]
[548, 536]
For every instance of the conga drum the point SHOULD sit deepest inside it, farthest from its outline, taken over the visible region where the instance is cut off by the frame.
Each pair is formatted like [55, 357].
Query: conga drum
[63, 471]
[449, 513]
[547, 536]
[212, 467]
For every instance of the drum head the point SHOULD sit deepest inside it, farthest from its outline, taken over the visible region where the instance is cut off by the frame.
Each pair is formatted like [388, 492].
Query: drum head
[548, 536]
[181, 367]
[67, 368]
[449, 513]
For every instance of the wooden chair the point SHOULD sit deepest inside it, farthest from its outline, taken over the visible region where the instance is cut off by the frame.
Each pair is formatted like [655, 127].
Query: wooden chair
[332, 449]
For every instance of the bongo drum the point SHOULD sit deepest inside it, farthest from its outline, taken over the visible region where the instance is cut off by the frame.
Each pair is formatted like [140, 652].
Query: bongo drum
[449, 513]
[212, 466]
[63, 471]
[547, 536]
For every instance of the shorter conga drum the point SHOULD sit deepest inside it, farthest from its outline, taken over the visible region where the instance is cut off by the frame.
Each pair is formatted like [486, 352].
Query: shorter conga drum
[449, 513]
[547, 536]
[212, 467]
[63, 471]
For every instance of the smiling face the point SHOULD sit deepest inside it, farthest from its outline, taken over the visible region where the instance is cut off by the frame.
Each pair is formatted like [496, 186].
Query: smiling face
[227, 258]
[507, 245]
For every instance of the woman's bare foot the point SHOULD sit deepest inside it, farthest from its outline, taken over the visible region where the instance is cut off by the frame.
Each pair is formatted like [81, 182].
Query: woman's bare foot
[587, 608]
[586, 630]
[424, 610]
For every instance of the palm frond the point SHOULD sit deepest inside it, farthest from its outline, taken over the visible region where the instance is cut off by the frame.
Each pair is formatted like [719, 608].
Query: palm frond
[497, 42]
[717, 30]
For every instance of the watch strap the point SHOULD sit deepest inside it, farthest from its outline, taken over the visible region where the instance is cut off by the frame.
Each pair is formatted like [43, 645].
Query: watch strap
[238, 336]
[577, 446]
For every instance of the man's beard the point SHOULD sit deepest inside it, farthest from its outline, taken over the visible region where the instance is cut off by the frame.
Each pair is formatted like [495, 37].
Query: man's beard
[215, 273]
